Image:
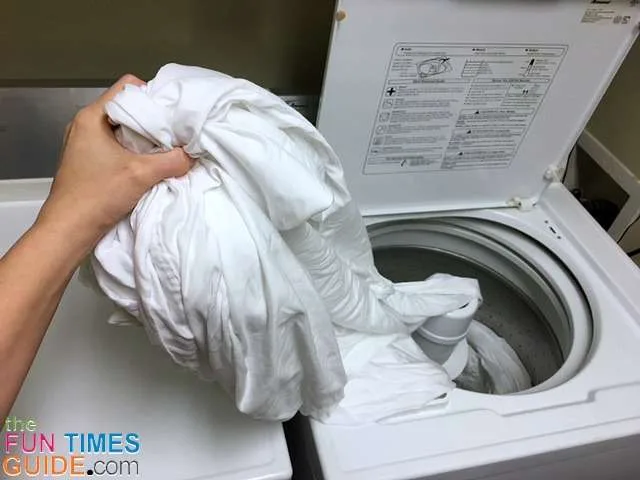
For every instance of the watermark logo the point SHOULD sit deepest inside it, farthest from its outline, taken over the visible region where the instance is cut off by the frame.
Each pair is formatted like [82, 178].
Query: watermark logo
[28, 452]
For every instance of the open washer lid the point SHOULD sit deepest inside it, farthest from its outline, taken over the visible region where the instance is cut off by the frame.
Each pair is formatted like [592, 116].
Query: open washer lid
[454, 104]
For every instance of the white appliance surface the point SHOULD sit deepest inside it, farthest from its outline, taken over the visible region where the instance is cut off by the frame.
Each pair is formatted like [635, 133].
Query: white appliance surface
[91, 377]
[600, 403]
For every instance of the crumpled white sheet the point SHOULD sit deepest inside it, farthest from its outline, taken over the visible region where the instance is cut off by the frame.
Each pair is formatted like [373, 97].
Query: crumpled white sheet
[493, 366]
[255, 269]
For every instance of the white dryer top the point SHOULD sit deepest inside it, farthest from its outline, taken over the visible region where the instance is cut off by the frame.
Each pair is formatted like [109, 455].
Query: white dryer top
[443, 104]
[91, 378]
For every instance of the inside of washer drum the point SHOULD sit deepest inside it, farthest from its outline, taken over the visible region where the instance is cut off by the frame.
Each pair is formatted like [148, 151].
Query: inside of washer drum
[530, 298]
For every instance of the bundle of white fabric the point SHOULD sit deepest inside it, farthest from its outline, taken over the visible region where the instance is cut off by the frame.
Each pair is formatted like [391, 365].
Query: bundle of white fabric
[255, 269]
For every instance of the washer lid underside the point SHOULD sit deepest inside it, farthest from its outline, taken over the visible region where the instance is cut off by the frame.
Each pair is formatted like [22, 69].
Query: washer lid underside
[446, 105]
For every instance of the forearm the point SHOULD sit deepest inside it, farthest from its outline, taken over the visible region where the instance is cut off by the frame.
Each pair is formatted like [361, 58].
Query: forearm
[33, 276]
[98, 183]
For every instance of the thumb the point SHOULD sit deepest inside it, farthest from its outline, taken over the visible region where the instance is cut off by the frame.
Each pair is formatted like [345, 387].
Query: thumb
[174, 163]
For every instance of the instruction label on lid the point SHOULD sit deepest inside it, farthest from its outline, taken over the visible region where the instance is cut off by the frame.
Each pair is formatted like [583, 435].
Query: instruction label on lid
[448, 107]
[616, 12]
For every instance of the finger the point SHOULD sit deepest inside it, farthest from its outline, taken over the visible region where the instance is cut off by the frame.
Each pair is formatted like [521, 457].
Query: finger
[174, 163]
[97, 108]
[65, 138]
[116, 88]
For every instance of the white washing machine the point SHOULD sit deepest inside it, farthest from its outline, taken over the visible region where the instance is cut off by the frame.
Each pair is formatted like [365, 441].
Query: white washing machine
[93, 378]
[460, 171]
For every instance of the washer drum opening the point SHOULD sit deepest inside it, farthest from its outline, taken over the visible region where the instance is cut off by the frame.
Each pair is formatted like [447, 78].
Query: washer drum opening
[530, 298]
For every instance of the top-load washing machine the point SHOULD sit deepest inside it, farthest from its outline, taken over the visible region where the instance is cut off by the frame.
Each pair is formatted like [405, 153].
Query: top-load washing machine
[94, 387]
[459, 171]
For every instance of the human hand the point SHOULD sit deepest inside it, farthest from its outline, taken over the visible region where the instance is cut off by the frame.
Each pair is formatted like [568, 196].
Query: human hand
[99, 181]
